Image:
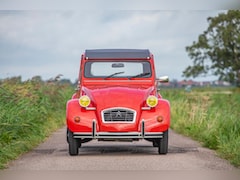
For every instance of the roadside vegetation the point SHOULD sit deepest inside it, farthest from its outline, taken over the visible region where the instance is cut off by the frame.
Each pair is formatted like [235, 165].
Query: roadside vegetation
[29, 112]
[209, 115]
[212, 116]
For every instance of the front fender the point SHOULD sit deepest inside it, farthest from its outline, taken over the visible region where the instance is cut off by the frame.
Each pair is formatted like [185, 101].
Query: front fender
[73, 109]
[150, 117]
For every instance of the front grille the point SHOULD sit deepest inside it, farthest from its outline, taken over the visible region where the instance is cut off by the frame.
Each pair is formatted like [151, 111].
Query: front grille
[118, 115]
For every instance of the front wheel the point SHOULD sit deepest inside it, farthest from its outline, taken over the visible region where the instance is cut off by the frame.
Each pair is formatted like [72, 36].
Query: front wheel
[163, 144]
[73, 144]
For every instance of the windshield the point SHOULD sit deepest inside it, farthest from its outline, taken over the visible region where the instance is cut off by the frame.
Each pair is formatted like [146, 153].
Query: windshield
[119, 69]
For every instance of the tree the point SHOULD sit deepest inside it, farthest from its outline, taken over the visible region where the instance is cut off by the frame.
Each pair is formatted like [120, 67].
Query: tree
[217, 51]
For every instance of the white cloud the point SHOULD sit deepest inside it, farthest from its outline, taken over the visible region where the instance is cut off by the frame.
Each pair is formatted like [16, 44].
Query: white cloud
[57, 38]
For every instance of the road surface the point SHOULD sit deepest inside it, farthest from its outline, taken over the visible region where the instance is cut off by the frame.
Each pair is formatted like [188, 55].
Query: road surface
[184, 154]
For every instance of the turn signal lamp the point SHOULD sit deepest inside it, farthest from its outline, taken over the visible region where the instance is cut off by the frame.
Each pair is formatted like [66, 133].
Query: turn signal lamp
[152, 101]
[84, 101]
[77, 119]
[160, 119]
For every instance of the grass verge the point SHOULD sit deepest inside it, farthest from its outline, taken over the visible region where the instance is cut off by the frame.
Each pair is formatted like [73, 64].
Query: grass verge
[30, 111]
[210, 116]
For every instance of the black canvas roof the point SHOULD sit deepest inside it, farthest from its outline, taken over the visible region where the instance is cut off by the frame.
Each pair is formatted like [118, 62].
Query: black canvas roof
[117, 54]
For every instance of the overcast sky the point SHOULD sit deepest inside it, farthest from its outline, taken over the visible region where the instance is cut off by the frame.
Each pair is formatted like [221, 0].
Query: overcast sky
[36, 39]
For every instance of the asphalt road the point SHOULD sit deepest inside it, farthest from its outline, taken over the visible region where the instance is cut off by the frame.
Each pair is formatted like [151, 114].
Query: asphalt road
[184, 154]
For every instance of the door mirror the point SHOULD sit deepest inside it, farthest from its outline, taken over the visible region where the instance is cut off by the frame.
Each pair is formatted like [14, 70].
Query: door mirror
[163, 79]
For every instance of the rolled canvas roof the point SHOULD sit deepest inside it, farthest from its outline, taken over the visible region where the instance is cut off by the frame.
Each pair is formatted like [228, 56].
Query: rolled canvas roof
[117, 54]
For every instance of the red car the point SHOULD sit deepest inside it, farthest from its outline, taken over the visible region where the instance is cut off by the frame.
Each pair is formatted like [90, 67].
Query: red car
[117, 99]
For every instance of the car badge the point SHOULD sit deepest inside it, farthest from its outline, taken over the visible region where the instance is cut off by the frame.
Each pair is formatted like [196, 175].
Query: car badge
[119, 114]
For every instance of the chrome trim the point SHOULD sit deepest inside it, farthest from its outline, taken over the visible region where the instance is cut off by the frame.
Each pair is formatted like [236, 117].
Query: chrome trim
[117, 135]
[91, 108]
[82, 135]
[128, 109]
[94, 130]
[146, 108]
[112, 135]
[143, 128]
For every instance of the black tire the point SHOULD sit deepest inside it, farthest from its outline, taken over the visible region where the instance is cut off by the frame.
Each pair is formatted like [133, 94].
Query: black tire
[163, 144]
[73, 144]
[67, 135]
[155, 143]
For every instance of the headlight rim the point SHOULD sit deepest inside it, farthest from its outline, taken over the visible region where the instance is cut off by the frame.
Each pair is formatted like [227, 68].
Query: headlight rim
[156, 101]
[84, 105]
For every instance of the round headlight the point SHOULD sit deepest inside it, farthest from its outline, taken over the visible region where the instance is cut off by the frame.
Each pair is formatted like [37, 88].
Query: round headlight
[84, 101]
[152, 101]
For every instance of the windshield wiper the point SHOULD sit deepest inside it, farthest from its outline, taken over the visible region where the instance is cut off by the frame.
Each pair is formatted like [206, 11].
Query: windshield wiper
[111, 75]
[140, 75]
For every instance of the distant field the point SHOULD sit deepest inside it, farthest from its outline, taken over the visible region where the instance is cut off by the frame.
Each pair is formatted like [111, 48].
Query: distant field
[29, 112]
[209, 115]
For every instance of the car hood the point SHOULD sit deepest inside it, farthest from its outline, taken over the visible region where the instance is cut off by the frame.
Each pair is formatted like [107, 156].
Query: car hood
[108, 97]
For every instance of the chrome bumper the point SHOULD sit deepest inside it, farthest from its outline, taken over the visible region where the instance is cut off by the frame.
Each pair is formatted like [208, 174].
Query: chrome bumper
[118, 135]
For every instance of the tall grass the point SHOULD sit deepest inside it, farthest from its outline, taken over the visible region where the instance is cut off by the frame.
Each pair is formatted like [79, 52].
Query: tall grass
[29, 112]
[210, 116]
